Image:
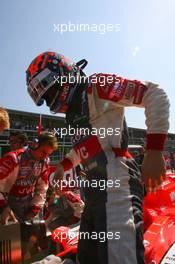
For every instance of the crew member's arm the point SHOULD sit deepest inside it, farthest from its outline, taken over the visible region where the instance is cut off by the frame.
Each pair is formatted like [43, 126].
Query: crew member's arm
[70, 161]
[8, 174]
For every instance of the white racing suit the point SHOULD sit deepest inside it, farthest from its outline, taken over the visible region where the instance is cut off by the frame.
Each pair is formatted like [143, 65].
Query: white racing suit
[23, 182]
[114, 211]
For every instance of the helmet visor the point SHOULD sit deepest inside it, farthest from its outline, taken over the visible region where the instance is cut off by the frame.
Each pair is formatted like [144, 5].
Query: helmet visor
[40, 84]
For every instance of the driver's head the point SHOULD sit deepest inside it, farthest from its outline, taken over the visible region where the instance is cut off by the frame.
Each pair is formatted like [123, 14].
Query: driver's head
[53, 78]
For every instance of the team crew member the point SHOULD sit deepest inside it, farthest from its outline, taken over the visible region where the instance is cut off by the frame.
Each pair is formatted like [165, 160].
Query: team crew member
[17, 140]
[24, 179]
[4, 119]
[97, 103]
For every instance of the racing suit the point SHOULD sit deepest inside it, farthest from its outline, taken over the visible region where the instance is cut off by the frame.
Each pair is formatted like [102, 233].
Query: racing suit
[23, 182]
[115, 210]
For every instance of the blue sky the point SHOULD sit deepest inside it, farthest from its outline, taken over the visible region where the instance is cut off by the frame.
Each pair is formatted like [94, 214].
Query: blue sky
[142, 49]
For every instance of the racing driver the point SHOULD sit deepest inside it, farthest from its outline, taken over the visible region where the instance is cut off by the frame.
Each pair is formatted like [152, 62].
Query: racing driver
[94, 104]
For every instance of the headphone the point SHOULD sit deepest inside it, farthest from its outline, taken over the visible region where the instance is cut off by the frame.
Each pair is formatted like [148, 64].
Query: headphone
[40, 139]
[34, 144]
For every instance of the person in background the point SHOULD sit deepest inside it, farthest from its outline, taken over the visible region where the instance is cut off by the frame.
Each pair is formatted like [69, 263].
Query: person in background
[17, 140]
[24, 180]
[4, 119]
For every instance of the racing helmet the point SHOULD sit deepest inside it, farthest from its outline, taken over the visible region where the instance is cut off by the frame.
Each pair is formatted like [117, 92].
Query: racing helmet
[53, 78]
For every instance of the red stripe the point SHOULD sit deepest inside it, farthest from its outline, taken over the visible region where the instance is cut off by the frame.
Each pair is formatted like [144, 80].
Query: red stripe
[89, 148]
[156, 141]
[122, 152]
[66, 164]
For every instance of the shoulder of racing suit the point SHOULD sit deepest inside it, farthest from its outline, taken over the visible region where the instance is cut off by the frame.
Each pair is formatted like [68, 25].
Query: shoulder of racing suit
[115, 88]
[8, 173]
[9, 162]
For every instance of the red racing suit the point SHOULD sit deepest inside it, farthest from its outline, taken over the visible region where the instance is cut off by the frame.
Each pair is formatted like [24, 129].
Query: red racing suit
[116, 209]
[23, 181]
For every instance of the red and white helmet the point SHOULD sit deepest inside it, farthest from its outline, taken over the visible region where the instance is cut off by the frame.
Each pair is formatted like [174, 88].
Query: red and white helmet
[53, 78]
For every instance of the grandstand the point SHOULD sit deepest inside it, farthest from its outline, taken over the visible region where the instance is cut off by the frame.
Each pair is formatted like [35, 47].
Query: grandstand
[28, 123]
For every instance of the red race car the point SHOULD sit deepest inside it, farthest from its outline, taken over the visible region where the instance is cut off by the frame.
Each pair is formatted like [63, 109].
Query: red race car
[159, 227]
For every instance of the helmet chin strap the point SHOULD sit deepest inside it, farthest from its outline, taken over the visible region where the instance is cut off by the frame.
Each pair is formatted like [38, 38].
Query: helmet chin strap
[54, 99]
[58, 104]
[69, 98]
[82, 64]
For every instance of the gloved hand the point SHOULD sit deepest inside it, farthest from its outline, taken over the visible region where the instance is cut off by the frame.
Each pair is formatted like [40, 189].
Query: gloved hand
[153, 168]
[75, 202]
